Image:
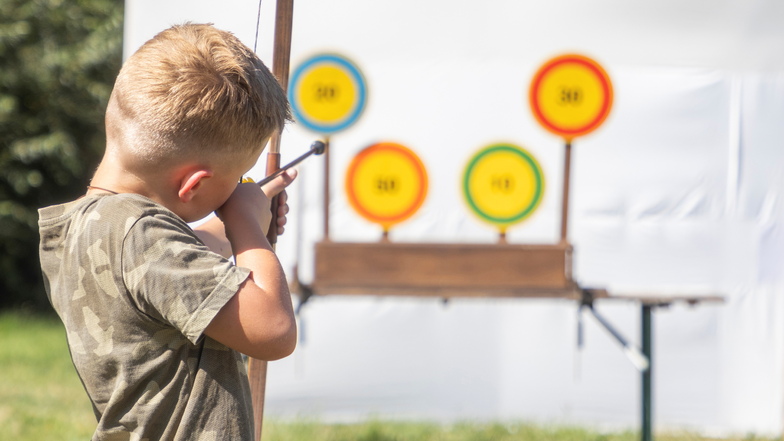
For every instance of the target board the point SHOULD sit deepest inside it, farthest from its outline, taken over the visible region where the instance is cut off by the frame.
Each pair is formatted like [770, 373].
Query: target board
[386, 183]
[327, 93]
[571, 95]
[503, 184]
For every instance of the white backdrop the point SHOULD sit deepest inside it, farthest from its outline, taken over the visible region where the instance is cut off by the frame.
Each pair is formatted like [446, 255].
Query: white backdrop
[680, 191]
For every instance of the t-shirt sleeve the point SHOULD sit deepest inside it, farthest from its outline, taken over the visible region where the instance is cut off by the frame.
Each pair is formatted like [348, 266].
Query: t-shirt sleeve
[173, 277]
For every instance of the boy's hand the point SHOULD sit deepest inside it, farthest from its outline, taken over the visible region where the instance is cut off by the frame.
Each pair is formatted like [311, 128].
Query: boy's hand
[248, 208]
[278, 187]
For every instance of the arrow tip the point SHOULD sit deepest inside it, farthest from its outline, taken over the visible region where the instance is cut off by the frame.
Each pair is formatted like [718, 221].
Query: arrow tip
[318, 147]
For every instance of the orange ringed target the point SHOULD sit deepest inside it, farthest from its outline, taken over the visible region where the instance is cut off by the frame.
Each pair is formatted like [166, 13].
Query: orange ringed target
[386, 183]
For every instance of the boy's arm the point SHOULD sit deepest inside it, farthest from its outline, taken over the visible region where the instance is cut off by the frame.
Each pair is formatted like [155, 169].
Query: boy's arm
[259, 320]
[213, 235]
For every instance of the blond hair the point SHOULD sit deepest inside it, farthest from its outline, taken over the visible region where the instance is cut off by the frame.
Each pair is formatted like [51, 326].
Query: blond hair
[193, 91]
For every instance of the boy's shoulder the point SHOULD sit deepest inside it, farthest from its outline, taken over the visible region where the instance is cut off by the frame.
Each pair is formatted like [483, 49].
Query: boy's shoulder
[126, 207]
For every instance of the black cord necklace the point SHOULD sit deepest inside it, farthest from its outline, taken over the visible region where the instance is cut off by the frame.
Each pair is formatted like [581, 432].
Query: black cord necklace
[93, 187]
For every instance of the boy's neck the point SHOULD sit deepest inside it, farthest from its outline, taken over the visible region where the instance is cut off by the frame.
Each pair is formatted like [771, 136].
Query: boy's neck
[113, 177]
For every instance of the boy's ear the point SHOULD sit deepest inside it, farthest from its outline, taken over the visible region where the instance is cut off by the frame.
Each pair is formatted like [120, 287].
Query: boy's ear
[191, 182]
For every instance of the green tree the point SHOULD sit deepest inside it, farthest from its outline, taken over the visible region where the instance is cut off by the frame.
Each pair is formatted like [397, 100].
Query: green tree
[58, 62]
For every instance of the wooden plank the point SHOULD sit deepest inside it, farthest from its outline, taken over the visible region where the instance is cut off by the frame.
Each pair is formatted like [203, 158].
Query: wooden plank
[449, 293]
[666, 299]
[443, 270]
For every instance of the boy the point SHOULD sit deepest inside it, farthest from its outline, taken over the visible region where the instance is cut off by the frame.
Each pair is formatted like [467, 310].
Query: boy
[155, 319]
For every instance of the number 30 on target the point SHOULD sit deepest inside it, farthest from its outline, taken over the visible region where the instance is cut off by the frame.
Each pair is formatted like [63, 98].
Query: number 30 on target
[571, 95]
[386, 183]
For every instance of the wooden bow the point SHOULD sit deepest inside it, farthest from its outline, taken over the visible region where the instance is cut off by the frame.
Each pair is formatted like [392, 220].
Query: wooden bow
[284, 13]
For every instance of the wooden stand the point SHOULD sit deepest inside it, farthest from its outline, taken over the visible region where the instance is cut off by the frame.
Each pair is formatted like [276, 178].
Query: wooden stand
[444, 270]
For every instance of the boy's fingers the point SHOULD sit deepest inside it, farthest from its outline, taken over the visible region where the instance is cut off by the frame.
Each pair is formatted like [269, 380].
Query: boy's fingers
[277, 185]
[283, 197]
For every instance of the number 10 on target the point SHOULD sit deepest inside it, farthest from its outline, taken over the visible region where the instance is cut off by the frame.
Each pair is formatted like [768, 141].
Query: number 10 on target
[503, 184]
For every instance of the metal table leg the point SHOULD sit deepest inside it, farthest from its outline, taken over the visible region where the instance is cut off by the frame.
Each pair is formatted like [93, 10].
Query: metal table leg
[647, 392]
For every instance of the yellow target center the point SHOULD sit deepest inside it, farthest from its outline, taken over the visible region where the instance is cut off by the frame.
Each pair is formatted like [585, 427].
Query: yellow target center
[327, 94]
[571, 96]
[503, 184]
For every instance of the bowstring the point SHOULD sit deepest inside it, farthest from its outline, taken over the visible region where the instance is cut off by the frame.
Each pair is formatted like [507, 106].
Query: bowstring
[255, 43]
[258, 22]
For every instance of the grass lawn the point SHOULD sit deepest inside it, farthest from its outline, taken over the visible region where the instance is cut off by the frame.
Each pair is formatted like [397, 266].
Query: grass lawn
[41, 398]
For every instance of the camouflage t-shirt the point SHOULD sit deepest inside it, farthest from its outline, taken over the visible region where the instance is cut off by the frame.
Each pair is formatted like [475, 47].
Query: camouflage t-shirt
[135, 289]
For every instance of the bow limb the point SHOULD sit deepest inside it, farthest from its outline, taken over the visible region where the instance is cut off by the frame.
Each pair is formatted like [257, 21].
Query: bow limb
[284, 13]
[281, 55]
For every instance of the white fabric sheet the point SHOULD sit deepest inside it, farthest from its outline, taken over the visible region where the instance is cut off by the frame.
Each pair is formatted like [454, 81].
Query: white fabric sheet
[679, 192]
